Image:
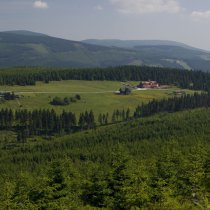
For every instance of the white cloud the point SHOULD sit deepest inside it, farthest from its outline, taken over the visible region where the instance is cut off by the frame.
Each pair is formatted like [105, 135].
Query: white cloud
[199, 14]
[146, 6]
[99, 7]
[40, 4]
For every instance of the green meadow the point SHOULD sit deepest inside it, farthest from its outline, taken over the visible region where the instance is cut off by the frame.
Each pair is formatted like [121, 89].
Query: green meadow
[98, 96]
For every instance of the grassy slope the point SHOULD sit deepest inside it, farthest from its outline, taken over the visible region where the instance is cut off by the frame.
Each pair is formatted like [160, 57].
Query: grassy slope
[93, 94]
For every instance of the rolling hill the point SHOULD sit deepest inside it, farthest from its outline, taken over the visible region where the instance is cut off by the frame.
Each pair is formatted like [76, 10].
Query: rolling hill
[132, 43]
[161, 52]
[25, 48]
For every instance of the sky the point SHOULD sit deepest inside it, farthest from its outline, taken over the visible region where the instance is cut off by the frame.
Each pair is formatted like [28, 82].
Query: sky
[186, 21]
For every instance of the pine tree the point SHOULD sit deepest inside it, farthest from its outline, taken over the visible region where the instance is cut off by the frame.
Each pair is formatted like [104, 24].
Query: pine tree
[100, 119]
[127, 114]
[81, 122]
[114, 117]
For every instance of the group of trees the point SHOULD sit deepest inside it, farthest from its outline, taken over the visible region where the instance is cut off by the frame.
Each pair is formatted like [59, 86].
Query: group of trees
[125, 91]
[171, 183]
[43, 122]
[87, 120]
[103, 119]
[173, 104]
[197, 80]
[8, 95]
[57, 101]
[121, 115]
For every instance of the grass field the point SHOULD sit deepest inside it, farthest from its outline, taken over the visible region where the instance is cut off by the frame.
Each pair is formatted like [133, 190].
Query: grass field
[96, 95]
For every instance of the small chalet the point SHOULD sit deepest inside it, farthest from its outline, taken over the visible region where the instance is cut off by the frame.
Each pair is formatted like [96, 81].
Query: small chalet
[148, 84]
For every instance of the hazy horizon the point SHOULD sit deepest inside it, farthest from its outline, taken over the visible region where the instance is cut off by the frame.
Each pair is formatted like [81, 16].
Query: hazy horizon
[172, 20]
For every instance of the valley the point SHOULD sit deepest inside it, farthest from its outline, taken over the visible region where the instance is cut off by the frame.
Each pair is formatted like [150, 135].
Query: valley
[104, 105]
[67, 136]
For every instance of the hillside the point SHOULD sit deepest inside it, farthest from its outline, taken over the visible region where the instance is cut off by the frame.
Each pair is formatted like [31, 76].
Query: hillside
[28, 49]
[85, 155]
[132, 43]
[152, 164]
[25, 48]
[161, 52]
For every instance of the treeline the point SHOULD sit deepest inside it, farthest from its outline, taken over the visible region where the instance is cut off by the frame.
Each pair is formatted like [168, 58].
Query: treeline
[43, 122]
[173, 104]
[197, 80]
[48, 122]
[121, 115]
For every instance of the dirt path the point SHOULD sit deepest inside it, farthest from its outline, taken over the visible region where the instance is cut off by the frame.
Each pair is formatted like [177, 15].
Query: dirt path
[30, 92]
[79, 92]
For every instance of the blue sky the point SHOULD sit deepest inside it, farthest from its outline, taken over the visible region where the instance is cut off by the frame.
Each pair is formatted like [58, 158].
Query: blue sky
[186, 21]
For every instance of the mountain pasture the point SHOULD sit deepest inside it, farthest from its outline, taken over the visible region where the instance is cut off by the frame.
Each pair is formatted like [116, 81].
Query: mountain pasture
[98, 96]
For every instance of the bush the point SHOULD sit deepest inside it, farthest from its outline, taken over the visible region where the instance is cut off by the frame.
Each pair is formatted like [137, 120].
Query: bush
[57, 101]
[78, 97]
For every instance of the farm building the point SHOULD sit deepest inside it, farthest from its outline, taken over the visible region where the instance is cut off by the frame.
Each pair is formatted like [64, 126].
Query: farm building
[148, 84]
[8, 95]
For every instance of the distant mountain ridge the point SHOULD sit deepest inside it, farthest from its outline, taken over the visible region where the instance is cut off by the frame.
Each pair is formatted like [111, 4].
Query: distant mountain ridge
[131, 43]
[24, 32]
[26, 48]
[137, 43]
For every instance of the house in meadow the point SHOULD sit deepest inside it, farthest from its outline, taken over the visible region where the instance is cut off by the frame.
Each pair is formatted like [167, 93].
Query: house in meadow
[148, 84]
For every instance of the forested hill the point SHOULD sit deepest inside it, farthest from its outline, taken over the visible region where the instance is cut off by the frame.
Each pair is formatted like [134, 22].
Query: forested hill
[133, 43]
[25, 48]
[157, 162]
